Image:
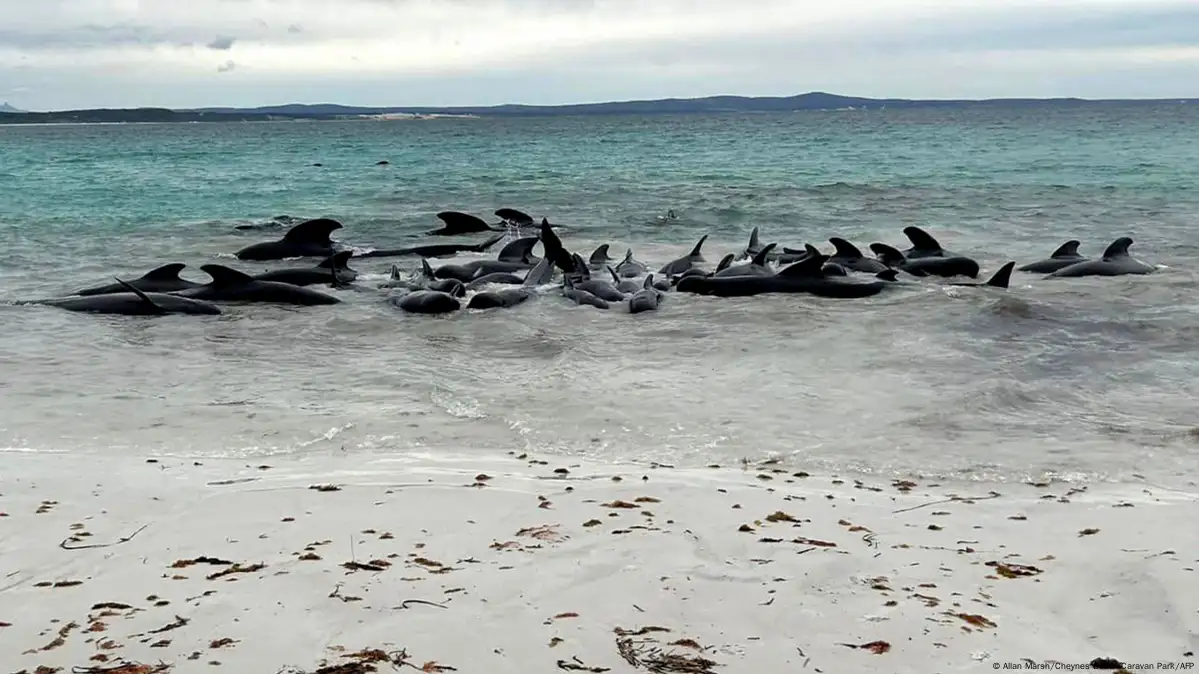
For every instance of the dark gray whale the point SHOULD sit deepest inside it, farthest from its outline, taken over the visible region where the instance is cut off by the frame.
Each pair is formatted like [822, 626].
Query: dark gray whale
[1115, 262]
[427, 302]
[518, 218]
[231, 285]
[332, 271]
[579, 296]
[926, 266]
[457, 223]
[499, 299]
[848, 256]
[477, 268]
[599, 258]
[307, 239]
[437, 249]
[756, 267]
[646, 299]
[682, 264]
[630, 268]
[164, 279]
[806, 276]
[1065, 255]
[132, 302]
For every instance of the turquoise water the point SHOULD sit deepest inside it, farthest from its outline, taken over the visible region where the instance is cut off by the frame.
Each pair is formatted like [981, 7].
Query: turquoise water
[1089, 379]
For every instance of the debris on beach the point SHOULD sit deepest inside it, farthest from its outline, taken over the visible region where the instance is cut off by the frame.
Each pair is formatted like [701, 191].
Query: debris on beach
[648, 654]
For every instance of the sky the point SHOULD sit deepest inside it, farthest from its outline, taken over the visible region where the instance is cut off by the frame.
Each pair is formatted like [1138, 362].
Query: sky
[70, 54]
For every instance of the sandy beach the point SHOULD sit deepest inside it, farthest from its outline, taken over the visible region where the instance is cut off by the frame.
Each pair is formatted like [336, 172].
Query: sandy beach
[348, 563]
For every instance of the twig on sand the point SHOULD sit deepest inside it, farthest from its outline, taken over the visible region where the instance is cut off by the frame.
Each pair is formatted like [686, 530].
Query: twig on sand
[126, 539]
[952, 499]
[406, 602]
[124, 667]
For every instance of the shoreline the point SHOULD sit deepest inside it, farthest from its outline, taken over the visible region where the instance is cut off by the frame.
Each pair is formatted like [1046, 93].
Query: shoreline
[355, 563]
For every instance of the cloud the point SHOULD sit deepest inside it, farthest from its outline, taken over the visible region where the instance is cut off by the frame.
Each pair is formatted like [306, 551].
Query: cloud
[550, 51]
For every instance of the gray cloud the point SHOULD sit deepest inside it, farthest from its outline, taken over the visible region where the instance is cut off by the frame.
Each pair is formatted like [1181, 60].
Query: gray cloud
[222, 43]
[225, 67]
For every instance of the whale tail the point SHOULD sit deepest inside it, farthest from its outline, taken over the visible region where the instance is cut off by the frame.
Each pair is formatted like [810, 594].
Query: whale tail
[887, 255]
[145, 298]
[921, 239]
[1067, 249]
[1003, 277]
[554, 250]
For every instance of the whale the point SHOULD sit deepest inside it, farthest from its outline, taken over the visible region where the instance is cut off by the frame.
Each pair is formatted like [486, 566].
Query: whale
[1115, 262]
[499, 299]
[164, 279]
[518, 218]
[849, 257]
[581, 297]
[682, 264]
[725, 263]
[805, 276]
[1065, 255]
[630, 268]
[1000, 279]
[753, 247]
[541, 274]
[476, 268]
[520, 250]
[307, 239]
[231, 285]
[427, 302]
[756, 267]
[926, 266]
[496, 278]
[555, 251]
[332, 271]
[624, 285]
[581, 280]
[436, 250]
[924, 245]
[456, 223]
[133, 301]
[599, 258]
[415, 281]
[646, 299]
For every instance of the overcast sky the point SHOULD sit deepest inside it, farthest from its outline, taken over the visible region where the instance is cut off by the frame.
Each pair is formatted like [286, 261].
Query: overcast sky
[57, 54]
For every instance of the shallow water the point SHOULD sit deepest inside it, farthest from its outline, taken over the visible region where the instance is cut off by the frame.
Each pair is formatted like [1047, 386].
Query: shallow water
[1086, 379]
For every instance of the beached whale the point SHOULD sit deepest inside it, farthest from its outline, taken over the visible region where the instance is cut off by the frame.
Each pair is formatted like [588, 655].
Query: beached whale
[806, 276]
[1065, 255]
[1115, 262]
[682, 264]
[231, 285]
[499, 299]
[164, 279]
[331, 271]
[929, 265]
[132, 302]
[427, 302]
[307, 239]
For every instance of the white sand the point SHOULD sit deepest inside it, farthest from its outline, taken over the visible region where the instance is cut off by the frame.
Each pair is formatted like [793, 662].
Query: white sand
[510, 575]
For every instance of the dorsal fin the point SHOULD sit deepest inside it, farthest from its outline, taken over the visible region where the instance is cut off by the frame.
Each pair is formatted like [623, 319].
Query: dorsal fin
[844, 248]
[1117, 248]
[615, 276]
[395, 272]
[754, 243]
[599, 255]
[628, 256]
[921, 240]
[725, 262]
[519, 250]
[144, 296]
[697, 251]
[425, 269]
[1003, 277]
[888, 275]
[808, 267]
[337, 260]
[541, 273]
[649, 282]
[457, 222]
[887, 255]
[580, 266]
[1067, 249]
[760, 258]
[513, 215]
[224, 276]
[313, 231]
[167, 272]
[812, 251]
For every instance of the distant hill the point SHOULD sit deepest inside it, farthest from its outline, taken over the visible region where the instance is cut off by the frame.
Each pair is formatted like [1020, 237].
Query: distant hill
[710, 104]
[5, 107]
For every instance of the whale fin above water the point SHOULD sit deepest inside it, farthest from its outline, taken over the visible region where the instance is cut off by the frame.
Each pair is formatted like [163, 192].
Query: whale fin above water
[1003, 277]
[457, 222]
[514, 216]
[145, 298]
[811, 250]
[224, 276]
[425, 269]
[580, 266]
[887, 255]
[754, 243]
[313, 231]
[811, 267]
[888, 275]
[167, 272]
[615, 276]
[649, 282]
[760, 258]
[696, 252]
[921, 240]
[395, 272]
[599, 255]
[1117, 248]
[725, 262]
[520, 250]
[337, 260]
[1067, 249]
[845, 249]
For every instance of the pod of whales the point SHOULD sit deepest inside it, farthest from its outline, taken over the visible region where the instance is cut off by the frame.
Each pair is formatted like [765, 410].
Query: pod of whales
[516, 275]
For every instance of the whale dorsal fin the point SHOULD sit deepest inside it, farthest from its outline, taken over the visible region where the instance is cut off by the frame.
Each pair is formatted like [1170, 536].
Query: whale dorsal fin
[887, 255]
[628, 256]
[696, 252]
[313, 231]
[144, 296]
[808, 267]
[887, 275]
[457, 222]
[760, 258]
[513, 215]
[395, 272]
[167, 272]
[580, 266]
[599, 255]
[615, 276]
[425, 269]
[1117, 248]
[844, 248]
[754, 243]
[726, 262]
[811, 250]
[1067, 249]
[921, 240]
[649, 282]
[337, 261]
[224, 276]
[1003, 277]
[519, 250]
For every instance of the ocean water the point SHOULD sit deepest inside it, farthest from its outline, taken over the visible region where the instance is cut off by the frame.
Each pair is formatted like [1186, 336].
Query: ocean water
[1088, 379]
